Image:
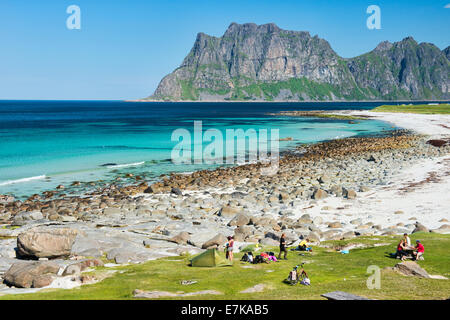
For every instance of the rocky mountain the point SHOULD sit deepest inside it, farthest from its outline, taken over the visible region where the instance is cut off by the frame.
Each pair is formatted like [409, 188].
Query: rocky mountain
[265, 63]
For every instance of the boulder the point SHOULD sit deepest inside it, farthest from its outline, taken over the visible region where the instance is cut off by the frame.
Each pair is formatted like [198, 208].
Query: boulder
[73, 269]
[6, 199]
[445, 228]
[336, 190]
[36, 274]
[269, 242]
[348, 235]
[364, 189]
[87, 247]
[314, 237]
[265, 221]
[335, 224]
[272, 235]
[420, 228]
[43, 280]
[349, 193]
[46, 243]
[438, 142]
[27, 216]
[217, 241]
[229, 212]
[177, 191]
[243, 232]
[122, 255]
[199, 238]
[153, 189]
[320, 194]
[241, 219]
[410, 268]
[181, 238]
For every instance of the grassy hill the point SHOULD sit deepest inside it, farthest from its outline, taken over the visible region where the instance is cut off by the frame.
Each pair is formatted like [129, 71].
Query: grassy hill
[443, 108]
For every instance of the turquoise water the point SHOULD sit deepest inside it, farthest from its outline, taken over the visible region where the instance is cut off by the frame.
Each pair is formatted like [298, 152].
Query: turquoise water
[47, 143]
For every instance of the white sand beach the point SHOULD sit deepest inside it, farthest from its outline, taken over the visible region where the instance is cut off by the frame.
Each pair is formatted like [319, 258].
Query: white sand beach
[419, 193]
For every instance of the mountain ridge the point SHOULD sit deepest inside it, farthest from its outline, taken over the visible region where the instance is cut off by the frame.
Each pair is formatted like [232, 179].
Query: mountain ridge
[253, 62]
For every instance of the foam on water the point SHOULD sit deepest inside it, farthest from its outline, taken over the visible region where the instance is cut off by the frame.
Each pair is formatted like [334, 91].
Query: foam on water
[5, 183]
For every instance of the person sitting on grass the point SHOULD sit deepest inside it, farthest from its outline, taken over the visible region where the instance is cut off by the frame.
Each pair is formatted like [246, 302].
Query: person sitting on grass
[420, 249]
[303, 245]
[401, 252]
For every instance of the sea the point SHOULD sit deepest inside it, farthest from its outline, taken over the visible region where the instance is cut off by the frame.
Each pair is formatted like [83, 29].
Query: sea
[44, 144]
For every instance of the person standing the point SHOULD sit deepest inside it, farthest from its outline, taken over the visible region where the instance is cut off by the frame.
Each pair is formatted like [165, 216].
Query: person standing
[230, 248]
[283, 247]
[407, 239]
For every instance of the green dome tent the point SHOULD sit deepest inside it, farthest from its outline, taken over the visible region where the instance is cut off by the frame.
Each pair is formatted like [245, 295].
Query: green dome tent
[210, 258]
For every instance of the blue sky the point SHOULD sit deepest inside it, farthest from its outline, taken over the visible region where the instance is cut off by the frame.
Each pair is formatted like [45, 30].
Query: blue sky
[124, 47]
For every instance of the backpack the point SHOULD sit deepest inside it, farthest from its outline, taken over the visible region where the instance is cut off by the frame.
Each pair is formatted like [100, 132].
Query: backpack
[292, 276]
[258, 259]
[306, 282]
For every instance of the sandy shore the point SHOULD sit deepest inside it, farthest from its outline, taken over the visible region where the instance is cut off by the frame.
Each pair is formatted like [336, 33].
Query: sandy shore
[435, 125]
[409, 197]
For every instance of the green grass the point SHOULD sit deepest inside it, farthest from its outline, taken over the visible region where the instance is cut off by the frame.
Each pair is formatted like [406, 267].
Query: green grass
[328, 270]
[443, 108]
[338, 116]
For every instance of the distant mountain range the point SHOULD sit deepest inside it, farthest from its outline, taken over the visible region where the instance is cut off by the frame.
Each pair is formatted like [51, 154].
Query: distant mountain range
[265, 63]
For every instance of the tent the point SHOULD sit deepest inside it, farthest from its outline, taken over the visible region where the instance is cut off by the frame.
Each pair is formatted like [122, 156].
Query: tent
[210, 258]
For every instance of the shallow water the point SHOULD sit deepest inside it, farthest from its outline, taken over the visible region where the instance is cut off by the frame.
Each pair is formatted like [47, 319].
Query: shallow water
[47, 143]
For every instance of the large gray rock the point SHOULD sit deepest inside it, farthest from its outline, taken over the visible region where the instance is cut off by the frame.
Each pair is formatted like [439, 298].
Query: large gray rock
[122, 255]
[264, 221]
[273, 236]
[217, 241]
[36, 274]
[6, 199]
[25, 216]
[5, 264]
[420, 228]
[46, 243]
[87, 247]
[241, 219]
[199, 238]
[314, 237]
[335, 224]
[181, 238]
[229, 212]
[243, 232]
[269, 242]
[410, 268]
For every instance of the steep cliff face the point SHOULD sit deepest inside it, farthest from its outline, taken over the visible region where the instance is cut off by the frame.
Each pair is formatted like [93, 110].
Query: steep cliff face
[264, 62]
